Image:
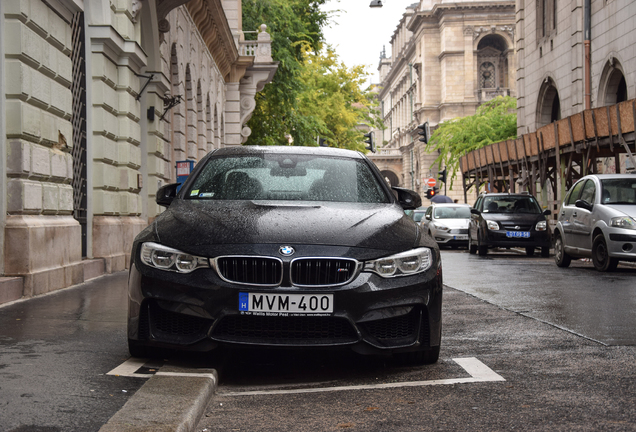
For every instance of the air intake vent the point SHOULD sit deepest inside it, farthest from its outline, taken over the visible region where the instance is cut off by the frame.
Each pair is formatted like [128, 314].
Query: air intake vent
[285, 330]
[323, 271]
[247, 270]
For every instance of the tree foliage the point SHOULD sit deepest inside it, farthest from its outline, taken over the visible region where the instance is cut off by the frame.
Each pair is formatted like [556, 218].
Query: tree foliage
[312, 94]
[494, 121]
[334, 98]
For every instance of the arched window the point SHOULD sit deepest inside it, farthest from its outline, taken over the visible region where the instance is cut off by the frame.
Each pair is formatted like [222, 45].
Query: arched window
[492, 67]
[613, 87]
[549, 104]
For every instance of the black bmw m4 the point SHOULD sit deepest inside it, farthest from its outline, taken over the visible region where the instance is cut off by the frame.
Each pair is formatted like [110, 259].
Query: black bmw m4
[286, 247]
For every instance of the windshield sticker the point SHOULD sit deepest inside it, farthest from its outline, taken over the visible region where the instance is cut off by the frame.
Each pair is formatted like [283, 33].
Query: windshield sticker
[206, 194]
[194, 192]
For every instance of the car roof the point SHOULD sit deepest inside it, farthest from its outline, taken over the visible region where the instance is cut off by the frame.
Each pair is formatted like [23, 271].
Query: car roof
[610, 176]
[434, 204]
[501, 194]
[300, 150]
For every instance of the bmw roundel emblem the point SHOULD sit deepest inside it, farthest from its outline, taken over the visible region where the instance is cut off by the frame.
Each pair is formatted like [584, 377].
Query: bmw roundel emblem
[286, 250]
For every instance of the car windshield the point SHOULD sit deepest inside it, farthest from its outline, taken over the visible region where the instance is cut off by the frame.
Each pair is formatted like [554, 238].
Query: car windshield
[452, 213]
[417, 216]
[276, 176]
[511, 204]
[618, 191]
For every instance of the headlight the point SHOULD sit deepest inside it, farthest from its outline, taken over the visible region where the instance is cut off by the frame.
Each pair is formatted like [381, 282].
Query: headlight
[402, 264]
[492, 225]
[165, 258]
[623, 222]
[541, 226]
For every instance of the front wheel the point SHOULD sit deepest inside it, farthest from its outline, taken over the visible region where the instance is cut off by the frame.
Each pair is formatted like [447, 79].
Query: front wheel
[600, 255]
[482, 250]
[561, 257]
[545, 251]
[530, 251]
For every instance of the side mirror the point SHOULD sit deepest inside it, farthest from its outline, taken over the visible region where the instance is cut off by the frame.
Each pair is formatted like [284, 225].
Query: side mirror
[547, 212]
[584, 205]
[407, 198]
[428, 217]
[475, 211]
[166, 194]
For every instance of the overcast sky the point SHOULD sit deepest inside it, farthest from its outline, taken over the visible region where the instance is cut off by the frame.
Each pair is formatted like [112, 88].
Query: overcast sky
[359, 32]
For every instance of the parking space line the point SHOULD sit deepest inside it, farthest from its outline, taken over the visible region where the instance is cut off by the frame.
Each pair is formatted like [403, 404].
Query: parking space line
[129, 368]
[478, 372]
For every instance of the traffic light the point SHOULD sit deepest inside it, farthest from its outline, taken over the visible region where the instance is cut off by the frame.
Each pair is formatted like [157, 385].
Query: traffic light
[430, 193]
[442, 176]
[369, 141]
[425, 132]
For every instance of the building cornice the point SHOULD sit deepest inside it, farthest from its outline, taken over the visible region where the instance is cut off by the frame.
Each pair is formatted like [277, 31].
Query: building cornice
[435, 15]
[209, 18]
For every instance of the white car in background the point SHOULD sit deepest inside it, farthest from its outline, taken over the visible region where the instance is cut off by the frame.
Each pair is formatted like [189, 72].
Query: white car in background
[447, 223]
[598, 220]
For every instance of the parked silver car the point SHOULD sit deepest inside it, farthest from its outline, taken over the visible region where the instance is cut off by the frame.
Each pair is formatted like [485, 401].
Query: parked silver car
[447, 223]
[598, 220]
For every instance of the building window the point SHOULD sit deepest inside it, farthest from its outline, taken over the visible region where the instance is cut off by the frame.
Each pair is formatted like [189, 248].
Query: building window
[487, 75]
[546, 18]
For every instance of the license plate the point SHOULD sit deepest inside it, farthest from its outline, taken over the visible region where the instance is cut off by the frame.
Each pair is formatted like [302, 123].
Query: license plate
[460, 237]
[518, 234]
[293, 304]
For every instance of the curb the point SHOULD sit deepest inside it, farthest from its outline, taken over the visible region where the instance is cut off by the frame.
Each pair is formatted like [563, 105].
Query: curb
[173, 400]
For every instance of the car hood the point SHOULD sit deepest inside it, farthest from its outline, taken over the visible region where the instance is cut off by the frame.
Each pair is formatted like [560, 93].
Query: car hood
[629, 210]
[193, 223]
[510, 218]
[453, 223]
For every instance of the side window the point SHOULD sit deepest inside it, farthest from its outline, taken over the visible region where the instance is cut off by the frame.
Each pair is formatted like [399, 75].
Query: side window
[429, 211]
[477, 203]
[574, 193]
[589, 191]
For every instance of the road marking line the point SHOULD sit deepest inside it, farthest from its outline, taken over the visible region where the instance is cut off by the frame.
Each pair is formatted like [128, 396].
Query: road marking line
[129, 367]
[478, 372]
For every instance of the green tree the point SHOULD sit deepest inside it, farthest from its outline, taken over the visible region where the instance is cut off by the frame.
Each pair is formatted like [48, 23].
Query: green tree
[312, 93]
[494, 121]
[334, 98]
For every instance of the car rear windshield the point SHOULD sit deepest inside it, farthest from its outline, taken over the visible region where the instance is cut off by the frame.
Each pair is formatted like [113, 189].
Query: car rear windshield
[452, 213]
[287, 177]
[619, 191]
[510, 204]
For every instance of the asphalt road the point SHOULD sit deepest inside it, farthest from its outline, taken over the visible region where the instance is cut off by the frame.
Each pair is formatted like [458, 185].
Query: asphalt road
[511, 313]
[599, 306]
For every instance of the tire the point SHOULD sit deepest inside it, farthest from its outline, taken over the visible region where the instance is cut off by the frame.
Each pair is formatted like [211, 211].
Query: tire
[545, 252]
[530, 251]
[472, 248]
[414, 358]
[482, 250]
[561, 257]
[600, 255]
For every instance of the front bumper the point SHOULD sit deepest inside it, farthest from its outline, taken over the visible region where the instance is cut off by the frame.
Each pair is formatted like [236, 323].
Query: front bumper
[621, 244]
[452, 237]
[199, 311]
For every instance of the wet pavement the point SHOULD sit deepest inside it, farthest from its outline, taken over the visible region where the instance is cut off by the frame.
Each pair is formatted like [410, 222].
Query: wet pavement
[596, 305]
[54, 353]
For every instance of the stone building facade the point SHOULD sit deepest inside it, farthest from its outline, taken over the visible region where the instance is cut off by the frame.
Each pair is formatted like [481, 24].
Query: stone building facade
[550, 41]
[446, 59]
[98, 101]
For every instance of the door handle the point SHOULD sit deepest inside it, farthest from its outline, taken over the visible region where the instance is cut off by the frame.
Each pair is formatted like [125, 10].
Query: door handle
[574, 214]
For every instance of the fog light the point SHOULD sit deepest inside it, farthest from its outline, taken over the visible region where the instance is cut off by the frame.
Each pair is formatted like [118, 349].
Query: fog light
[627, 247]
